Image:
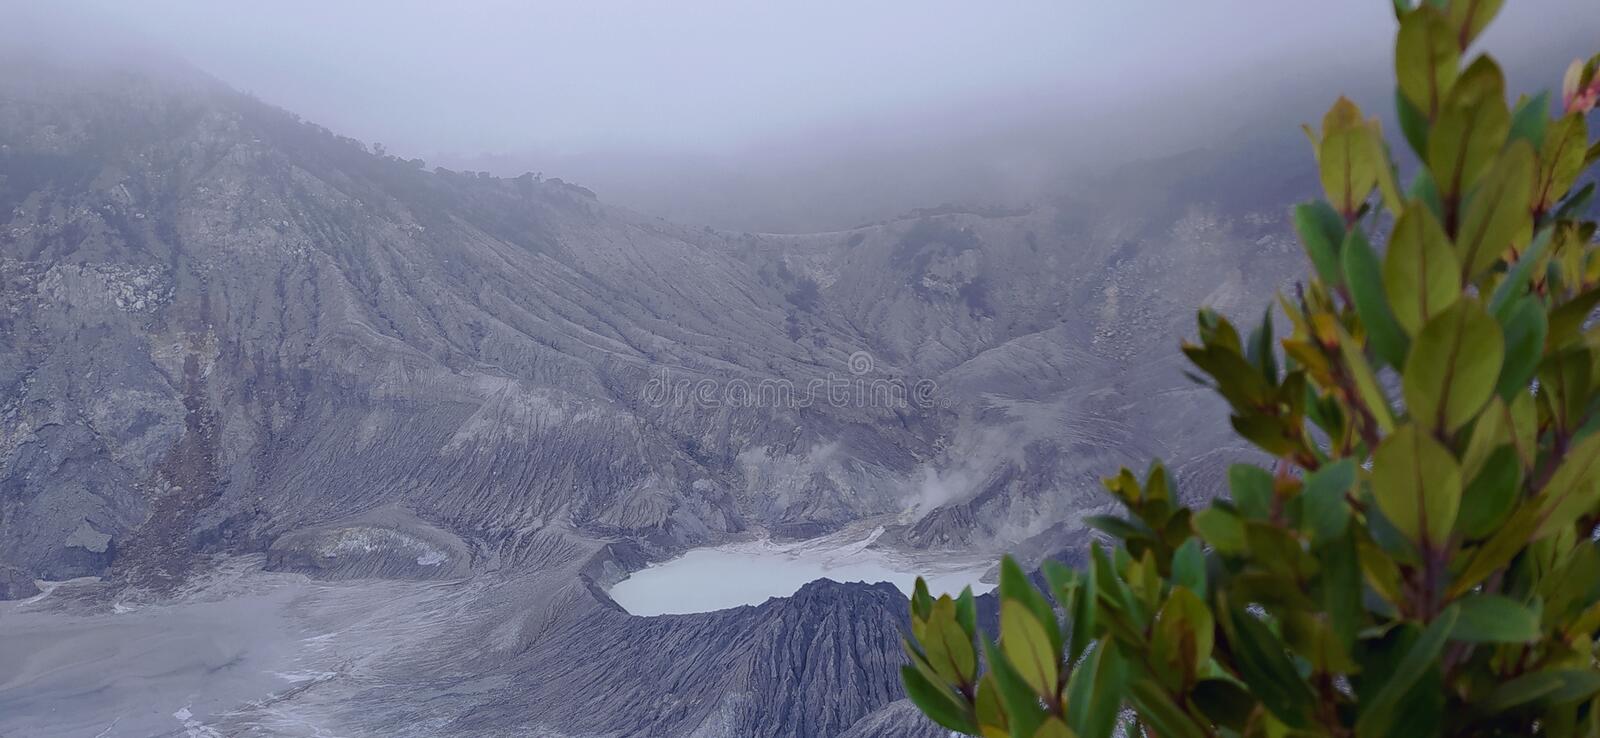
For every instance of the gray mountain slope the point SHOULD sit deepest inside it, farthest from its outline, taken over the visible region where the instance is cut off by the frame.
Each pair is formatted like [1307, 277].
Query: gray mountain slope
[231, 335]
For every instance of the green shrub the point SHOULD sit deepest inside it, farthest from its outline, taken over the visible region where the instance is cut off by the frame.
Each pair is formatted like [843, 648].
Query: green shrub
[1420, 556]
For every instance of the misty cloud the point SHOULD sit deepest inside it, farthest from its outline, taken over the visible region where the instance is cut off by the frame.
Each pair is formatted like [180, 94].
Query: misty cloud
[500, 75]
[788, 115]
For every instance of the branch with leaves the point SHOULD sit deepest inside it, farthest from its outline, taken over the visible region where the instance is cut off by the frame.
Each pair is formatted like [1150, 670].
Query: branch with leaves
[1421, 560]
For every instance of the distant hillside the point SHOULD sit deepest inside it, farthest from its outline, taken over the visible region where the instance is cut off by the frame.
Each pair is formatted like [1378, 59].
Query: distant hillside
[228, 332]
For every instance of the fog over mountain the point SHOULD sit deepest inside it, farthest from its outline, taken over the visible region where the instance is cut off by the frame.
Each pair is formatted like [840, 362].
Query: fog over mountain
[790, 116]
[304, 436]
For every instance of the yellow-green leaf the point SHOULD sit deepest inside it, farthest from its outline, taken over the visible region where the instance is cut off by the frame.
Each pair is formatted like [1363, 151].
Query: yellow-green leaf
[948, 645]
[1347, 158]
[1388, 177]
[1470, 130]
[1492, 429]
[1560, 160]
[1027, 647]
[1417, 484]
[1222, 530]
[1053, 728]
[1426, 59]
[1497, 215]
[1183, 637]
[1571, 491]
[1469, 17]
[1420, 272]
[990, 711]
[1366, 381]
[1451, 370]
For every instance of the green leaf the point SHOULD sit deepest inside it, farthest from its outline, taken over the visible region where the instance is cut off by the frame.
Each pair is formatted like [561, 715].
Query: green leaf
[1250, 487]
[1366, 381]
[988, 708]
[1340, 583]
[1498, 551]
[1014, 584]
[954, 644]
[1183, 635]
[1522, 419]
[1024, 710]
[1027, 648]
[938, 703]
[1264, 664]
[1380, 569]
[1160, 712]
[1114, 593]
[1572, 490]
[1489, 431]
[1576, 684]
[1566, 321]
[1224, 702]
[1560, 159]
[1470, 130]
[1424, 190]
[1426, 59]
[1530, 118]
[1123, 528]
[1488, 499]
[1381, 711]
[1347, 158]
[1520, 691]
[1388, 172]
[1417, 484]
[1494, 619]
[1469, 17]
[967, 613]
[1189, 566]
[1497, 215]
[1321, 231]
[1515, 284]
[948, 646]
[1053, 728]
[1259, 350]
[1364, 277]
[1276, 549]
[1083, 615]
[1222, 530]
[1413, 123]
[1525, 330]
[1236, 380]
[921, 601]
[1453, 366]
[1094, 692]
[1420, 272]
[1325, 511]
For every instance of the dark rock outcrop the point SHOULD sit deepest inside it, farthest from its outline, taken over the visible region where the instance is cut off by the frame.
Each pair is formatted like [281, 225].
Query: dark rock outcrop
[809, 665]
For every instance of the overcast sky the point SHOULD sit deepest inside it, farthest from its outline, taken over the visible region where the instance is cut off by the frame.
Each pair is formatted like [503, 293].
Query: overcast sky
[790, 114]
[499, 75]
